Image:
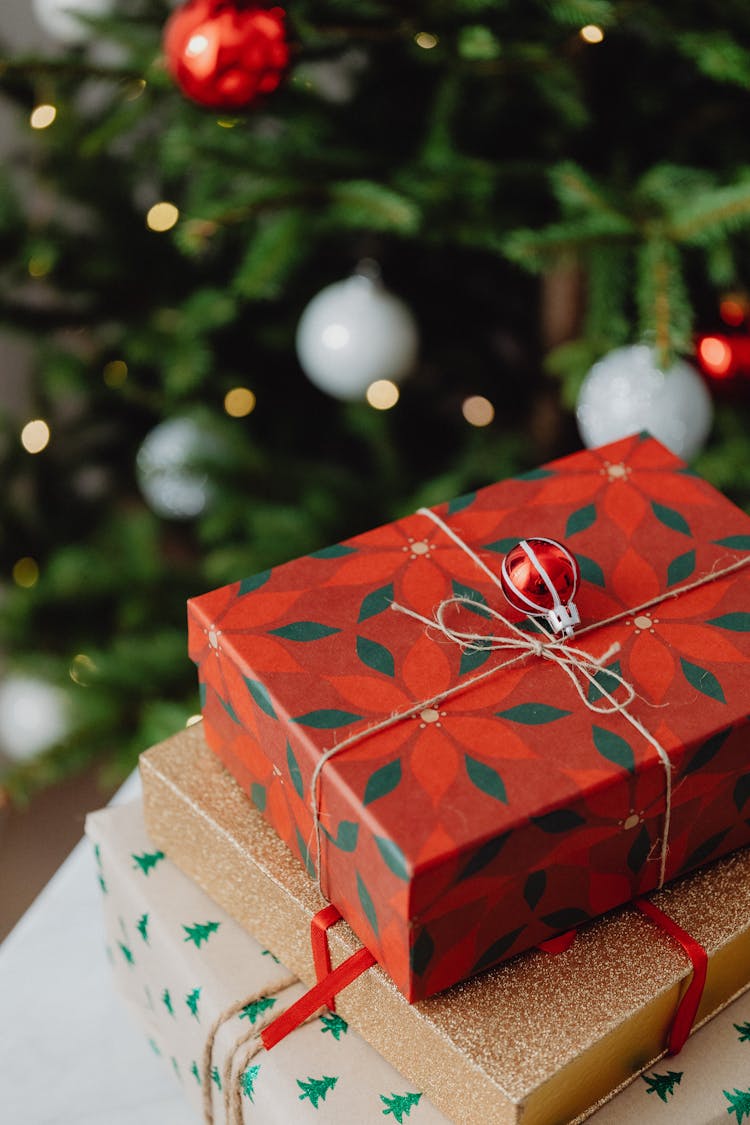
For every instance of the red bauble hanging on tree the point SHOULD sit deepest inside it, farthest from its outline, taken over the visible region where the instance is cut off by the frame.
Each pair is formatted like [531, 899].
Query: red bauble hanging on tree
[225, 54]
[540, 577]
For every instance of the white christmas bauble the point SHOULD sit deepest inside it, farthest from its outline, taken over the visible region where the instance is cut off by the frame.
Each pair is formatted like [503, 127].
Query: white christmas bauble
[34, 715]
[59, 17]
[172, 468]
[626, 392]
[354, 332]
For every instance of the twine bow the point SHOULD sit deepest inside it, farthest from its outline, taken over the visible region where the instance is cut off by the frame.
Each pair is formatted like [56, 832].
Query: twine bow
[580, 666]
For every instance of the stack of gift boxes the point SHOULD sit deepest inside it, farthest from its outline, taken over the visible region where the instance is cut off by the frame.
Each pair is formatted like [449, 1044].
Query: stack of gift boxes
[503, 821]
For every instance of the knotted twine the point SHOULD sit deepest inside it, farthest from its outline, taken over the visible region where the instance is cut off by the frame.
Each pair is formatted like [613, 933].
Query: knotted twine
[580, 666]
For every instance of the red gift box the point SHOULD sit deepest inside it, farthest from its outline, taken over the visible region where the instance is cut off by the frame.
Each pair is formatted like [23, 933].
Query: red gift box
[473, 801]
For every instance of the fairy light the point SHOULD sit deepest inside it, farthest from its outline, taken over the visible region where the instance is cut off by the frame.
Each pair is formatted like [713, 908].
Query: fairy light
[426, 40]
[162, 216]
[239, 402]
[135, 89]
[733, 310]
[591, 33]
[716, 355]
[39, 266]
[35, 436]
[382, 394]
[115, 372]
[478, 410]
[26, 572]
[42, 116]
[82, 669]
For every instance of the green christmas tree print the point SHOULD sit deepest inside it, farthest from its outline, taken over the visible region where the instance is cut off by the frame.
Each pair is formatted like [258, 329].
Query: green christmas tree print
[333, 1023]
[252, 1010]
[99, 873]
[216, 1078]
[268, 953]
[200, 932]
[176, 1068]
[744, 1032]
[191, 1000]
[166, 1000]
[149, 998]
[316, 1089]
[662, 1084]
[142, 927]
[739, 1103]
[399, 1105]
[154, 1046]
[126, 952]
[247, 1081]
[195, 1072]
[146, 861]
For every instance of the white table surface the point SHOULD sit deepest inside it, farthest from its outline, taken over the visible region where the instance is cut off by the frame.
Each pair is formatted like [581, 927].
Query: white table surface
[69, 1052]
[70, 1055]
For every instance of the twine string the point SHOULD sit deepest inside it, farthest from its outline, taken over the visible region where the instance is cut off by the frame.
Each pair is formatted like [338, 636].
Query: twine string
[574, 662]
[208, 1047]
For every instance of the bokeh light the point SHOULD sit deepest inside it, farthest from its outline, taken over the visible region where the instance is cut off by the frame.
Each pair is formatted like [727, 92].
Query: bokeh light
[162, 216]
[382, 394]
[35, 436]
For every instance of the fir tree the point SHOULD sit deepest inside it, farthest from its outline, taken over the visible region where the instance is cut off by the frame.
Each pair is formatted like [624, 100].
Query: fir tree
[399, 1105]
[154, 1046]
[99, 872]
[739, 1103]
[176, 1068]
[200, 932]
[316, 1089]
[662, 1084]
[166, 1000]
[268, 953]
[492, 190]
[147, 861]
[247, 1081]
[252, 1010]
[126, 952]
[216, 1078]
[191, 1000]
[335, 1024]
[195, 1072]
[744, 1031]
[142, 927]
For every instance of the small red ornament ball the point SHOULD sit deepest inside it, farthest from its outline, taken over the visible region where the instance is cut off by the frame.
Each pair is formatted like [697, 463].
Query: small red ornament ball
[224, 54]
[540, 577]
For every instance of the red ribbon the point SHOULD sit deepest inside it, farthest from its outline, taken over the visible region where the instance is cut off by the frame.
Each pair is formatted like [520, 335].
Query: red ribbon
[558, 944]
[332, 981]
[321, 951]
[317, 997]
[687, 1008]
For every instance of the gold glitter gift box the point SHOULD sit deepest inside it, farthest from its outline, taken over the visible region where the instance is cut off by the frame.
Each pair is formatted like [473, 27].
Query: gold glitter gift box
[541, 1039]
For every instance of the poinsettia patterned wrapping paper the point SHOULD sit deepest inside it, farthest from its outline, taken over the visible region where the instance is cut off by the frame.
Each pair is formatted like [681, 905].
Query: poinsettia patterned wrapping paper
[180, 961]
[539, 1040]
[506, 810]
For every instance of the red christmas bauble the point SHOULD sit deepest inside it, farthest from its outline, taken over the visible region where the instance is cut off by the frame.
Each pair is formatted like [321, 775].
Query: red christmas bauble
[540, 577]
[224, 54]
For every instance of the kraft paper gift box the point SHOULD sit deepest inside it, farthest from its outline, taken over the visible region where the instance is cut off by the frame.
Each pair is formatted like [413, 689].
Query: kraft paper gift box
[181, 962]
[539, 1040]
[472, 803]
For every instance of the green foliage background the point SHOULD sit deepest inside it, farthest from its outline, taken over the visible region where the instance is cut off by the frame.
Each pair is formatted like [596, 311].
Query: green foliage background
[473, 172]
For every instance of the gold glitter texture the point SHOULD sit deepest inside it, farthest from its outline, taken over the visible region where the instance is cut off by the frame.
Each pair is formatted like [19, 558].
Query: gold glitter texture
[540, 1040]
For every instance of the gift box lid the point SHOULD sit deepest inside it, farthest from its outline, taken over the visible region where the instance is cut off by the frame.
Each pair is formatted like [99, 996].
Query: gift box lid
[473, 801]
